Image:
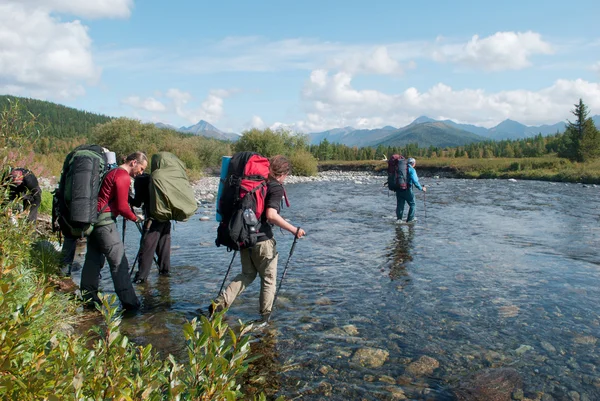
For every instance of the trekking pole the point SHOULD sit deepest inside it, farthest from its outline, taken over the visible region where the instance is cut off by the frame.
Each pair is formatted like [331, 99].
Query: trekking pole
[425, 203]
[283, 274]
[227, 274]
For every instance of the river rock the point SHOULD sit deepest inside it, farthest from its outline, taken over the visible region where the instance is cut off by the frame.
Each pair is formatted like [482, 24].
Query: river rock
[548, 347]
[323, 301]
[490, 385]
[585, 340]
[204, 218]
[350, 329]
[425, 365]
[387, 379]
[396, 393]
[370, 357]
[523, 349]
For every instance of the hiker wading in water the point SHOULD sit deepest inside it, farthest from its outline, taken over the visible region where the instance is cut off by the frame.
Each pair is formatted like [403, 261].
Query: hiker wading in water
[262, 258]
[407, 195]
[104, 243]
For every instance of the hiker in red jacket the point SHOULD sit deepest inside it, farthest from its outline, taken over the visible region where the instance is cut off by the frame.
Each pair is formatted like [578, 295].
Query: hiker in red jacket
[104, 243]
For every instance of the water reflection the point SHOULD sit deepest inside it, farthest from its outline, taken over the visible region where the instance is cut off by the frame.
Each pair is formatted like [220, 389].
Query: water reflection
[400, 253]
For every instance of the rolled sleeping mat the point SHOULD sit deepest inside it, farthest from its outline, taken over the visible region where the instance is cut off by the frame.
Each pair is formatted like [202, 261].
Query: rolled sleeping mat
[224, 167]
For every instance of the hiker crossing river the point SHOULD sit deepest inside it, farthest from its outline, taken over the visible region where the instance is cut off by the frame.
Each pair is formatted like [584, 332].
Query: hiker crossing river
[488, 286]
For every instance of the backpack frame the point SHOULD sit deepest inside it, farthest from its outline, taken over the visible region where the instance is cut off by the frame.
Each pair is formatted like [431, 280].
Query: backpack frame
[242, 201]
[397, 173]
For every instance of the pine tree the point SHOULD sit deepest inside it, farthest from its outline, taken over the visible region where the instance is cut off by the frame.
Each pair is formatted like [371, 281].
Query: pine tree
[581, 141]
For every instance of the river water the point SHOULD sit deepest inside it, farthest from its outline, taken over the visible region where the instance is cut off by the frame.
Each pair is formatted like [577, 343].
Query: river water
[495, 274]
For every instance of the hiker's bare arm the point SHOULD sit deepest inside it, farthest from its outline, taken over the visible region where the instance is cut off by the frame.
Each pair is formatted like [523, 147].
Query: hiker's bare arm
[274, 218]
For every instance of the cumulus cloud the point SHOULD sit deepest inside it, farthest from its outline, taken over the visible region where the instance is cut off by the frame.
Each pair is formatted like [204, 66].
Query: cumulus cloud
[148, 104]
[331, 101]
[256, 122]
[501, 51]
[210, 110]
[377, 61]
[83, 8]
[44, 56]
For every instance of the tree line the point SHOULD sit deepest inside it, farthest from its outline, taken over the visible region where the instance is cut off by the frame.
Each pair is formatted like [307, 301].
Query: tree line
[580, 142]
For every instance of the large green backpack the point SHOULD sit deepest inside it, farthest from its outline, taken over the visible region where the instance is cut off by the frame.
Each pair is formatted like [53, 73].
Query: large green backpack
[75, 201]
[171, 195]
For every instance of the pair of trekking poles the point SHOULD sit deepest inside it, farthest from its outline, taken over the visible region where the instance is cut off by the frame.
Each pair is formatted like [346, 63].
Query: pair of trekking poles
[280, 281]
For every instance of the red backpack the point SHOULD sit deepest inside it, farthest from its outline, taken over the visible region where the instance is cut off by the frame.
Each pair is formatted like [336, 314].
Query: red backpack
[242, 200]
[397, 173]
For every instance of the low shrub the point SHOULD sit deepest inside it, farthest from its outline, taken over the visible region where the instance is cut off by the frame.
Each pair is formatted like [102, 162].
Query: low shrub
[303, 163]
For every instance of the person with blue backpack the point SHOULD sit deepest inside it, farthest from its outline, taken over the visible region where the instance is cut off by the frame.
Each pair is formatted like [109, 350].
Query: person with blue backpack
[407, 195]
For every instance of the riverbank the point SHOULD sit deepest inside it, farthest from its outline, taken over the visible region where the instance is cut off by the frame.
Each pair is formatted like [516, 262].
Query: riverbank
[547, 168]
[206, 188]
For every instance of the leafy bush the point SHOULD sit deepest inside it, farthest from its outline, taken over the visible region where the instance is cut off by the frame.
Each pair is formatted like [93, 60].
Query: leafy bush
[303, 163]
[46, 205]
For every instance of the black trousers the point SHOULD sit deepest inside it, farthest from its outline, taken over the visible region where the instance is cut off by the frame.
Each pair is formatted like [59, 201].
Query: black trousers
[157, 239]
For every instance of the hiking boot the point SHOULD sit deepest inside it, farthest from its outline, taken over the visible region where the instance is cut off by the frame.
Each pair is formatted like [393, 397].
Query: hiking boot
[137, 279]
[411, 221]
[164, 273]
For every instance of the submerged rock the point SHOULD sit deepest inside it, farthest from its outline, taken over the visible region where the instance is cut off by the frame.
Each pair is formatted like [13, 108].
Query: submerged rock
[490, 385]
[423, 366]
[370, 357]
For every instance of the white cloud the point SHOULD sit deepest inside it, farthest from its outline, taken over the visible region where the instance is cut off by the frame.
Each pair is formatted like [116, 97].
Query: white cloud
[256, 122]
[331, 101]
[44, 56]
[377, 61]
[82, 8]
[501, 51]
[210, 110]
[149, 104]
[596, 67]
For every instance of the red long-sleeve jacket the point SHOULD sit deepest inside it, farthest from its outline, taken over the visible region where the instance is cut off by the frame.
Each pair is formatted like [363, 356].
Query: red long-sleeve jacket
[115, 192]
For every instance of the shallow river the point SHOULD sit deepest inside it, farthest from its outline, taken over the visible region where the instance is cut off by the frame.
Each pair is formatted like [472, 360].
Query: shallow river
[495, 274]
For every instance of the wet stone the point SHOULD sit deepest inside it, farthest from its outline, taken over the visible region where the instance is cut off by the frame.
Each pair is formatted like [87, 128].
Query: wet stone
[490, 385]
[523, 349]
[369, 378]
[323, 301]
[350, 329]
[585, 340]
[396, 393]
[325, 369]
[370, 357]
[548, 347]
[387, 379]
[425, 365]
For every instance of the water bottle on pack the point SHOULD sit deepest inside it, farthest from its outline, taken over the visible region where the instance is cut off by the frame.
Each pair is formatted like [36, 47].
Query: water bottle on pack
[250, 219]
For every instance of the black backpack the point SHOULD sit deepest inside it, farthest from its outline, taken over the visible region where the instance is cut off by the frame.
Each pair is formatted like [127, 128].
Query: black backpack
[75, 201]
[242, 201]
[397, 173]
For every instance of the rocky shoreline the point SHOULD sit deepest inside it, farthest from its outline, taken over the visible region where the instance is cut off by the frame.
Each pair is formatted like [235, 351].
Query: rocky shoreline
[205, 189]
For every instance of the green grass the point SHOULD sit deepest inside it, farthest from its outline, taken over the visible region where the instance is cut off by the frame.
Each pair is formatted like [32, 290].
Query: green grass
[547, 168]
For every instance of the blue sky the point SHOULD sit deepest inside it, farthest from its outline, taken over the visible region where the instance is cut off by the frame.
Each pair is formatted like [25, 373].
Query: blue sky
[307, 65]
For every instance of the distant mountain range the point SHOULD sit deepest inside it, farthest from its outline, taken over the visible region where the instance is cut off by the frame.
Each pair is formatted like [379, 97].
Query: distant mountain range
[429, 132]
[202, 128]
